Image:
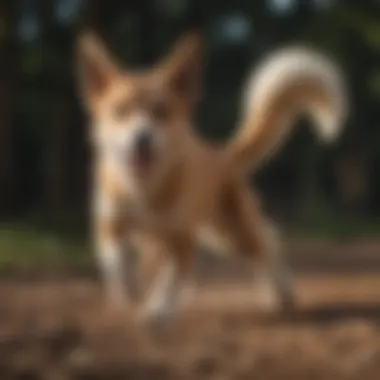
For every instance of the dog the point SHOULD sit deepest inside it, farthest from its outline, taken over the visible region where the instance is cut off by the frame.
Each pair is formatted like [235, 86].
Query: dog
[160, 187]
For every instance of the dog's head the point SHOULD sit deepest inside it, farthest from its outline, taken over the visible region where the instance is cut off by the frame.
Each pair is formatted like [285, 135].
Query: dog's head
[138, 118]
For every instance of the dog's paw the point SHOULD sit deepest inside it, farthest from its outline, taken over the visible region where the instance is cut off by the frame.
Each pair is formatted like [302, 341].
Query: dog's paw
[287, 303]
[156, 315]
[156, 323]
[277, 302]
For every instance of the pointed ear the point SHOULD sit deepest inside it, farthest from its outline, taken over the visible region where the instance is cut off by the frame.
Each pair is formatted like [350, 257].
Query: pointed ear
[181, 70]
[96, 68]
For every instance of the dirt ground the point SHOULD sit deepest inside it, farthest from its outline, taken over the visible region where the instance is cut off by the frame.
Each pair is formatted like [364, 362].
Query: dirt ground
[55, 327]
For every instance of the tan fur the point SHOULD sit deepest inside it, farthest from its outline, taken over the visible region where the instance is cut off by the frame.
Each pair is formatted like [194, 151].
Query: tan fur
[291, 82]
[195, 190]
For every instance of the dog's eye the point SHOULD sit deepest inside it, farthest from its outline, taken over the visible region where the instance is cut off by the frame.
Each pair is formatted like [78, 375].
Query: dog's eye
[121, 110]
[160, 111]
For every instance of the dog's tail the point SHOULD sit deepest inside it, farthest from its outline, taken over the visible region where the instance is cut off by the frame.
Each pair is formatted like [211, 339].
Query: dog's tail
[291, 81]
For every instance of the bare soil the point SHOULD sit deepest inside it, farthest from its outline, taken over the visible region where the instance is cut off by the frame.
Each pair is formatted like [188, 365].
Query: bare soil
[56, 327]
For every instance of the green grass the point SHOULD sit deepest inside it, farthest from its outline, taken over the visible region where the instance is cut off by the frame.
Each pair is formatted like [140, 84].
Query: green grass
[24, 244]
[328, 225]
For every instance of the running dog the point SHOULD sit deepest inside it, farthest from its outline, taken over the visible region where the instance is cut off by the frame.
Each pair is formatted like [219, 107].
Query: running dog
[159, 185]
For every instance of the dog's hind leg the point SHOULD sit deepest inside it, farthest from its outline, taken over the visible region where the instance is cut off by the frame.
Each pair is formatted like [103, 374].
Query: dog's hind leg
[257, 240]
[273, 272]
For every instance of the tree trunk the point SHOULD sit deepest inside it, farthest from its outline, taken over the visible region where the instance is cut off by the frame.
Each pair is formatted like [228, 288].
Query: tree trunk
[8, 63]
[57, 154]
[57, 159]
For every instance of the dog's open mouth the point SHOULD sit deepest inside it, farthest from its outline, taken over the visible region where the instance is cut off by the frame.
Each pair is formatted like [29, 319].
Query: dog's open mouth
[143, 160]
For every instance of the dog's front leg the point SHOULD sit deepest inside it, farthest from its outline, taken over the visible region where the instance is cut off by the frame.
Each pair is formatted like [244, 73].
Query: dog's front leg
[109, 249]
[111, 238]
[169, 286]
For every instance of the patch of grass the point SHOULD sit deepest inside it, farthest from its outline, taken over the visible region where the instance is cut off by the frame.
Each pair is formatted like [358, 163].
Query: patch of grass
[32, 244]
[335, 226]
[23, 245]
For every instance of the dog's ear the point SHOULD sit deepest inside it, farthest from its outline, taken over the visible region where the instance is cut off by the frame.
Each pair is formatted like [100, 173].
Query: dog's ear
[181, 70]
[96, 68]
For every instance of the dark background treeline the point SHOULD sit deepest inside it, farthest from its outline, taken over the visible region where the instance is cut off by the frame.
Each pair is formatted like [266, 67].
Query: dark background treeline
[44, 157]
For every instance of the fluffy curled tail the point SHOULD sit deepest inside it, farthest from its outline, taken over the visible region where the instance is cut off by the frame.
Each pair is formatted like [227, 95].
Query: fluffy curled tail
[289, 82]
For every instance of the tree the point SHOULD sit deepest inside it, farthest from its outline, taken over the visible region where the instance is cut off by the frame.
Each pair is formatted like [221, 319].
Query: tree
[8, 67]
